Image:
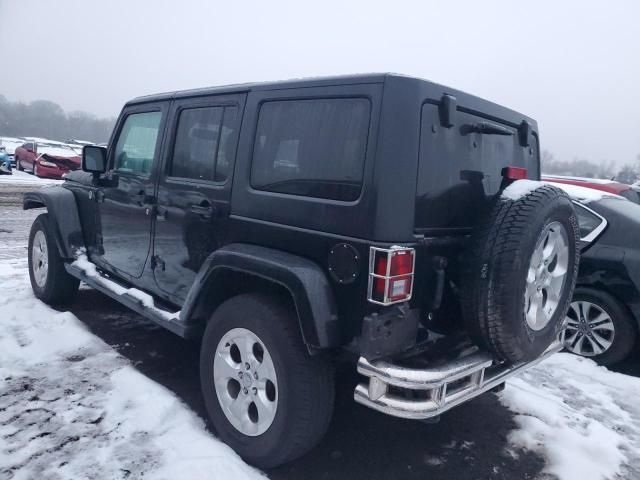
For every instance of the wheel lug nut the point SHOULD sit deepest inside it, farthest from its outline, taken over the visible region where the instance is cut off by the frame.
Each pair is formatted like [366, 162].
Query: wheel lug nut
[239, 374]
[245, 391]
[247, 366]
[254, 390]
[255, 375]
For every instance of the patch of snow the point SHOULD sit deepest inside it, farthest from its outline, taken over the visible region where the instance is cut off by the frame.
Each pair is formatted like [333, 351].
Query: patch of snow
[89, 269]
[23, 178]
[583, 418]
[520, 188]
[57, 150]
[584, 194]
[601, 181]
[71, 407]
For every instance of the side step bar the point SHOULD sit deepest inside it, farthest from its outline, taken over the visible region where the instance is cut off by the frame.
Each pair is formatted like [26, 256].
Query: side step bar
[136, 300]
[426, 393]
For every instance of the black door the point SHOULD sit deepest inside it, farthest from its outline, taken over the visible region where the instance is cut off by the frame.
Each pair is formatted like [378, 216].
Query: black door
[194, 188]
[126, 194]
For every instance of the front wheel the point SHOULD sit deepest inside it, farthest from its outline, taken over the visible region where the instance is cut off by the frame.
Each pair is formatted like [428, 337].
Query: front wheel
[266, 396]
[50, 282]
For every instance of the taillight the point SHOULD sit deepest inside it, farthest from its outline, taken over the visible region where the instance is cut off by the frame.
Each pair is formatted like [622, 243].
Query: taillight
[514, 173]
[391, 274]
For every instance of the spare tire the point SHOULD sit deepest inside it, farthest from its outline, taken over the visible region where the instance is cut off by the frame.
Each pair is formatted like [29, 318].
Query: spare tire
[521, 270]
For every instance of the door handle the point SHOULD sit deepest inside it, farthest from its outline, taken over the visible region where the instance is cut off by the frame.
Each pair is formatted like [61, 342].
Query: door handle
[205, 211]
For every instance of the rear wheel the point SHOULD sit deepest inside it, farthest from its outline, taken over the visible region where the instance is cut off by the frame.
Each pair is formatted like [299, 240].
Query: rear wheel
[20, 169]
[521, 273]
[266, 396]
[49, 280]
[599, 327]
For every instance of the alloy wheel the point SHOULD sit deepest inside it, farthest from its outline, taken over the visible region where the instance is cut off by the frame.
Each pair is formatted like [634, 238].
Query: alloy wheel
[245, 381]
[546, 276]
[590, 329]
[40, 259]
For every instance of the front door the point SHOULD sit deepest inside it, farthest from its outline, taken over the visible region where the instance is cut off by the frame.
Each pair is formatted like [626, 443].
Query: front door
[126, 195]
[194, 188]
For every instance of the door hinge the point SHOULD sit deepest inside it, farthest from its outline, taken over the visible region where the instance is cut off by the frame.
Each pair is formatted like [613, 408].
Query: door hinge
[156, 262]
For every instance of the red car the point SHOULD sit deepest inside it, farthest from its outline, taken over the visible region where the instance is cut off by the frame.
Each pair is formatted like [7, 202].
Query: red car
[609, 186]
[46, 160]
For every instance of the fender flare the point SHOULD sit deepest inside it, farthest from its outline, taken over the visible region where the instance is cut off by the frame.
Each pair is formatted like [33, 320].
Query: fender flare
[63, 211]
[303, 279]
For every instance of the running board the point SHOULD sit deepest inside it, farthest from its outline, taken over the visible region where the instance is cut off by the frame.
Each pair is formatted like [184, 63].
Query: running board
[133, 299]
[428, 392]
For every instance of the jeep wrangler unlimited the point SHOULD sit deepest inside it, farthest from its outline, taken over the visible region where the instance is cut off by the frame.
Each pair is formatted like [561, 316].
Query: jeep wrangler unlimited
[378, 215]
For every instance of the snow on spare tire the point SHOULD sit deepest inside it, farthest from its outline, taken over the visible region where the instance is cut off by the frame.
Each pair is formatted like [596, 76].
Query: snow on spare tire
[521, 271]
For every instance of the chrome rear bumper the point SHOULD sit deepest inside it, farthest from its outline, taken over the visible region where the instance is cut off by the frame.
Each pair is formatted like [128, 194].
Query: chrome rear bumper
[427, 392]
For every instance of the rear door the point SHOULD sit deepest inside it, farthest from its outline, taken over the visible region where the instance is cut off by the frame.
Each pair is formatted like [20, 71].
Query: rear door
[461, 166]
[194, 188]
[126, 195]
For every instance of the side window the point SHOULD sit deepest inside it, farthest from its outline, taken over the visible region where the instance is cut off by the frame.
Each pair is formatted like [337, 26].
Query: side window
[136, 145]
[202, 150]
[314, 148]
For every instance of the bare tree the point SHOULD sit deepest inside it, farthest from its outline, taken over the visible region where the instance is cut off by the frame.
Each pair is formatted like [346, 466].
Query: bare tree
[42, 118]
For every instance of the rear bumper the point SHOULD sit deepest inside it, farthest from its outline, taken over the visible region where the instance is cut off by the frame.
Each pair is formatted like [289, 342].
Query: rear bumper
[426, 393]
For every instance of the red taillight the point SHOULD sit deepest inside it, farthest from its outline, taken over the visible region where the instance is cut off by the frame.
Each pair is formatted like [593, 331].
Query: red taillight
[514, 173]
[391, 274]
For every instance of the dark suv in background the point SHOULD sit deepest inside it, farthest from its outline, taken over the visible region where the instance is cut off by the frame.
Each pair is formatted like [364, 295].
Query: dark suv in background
[383, 216]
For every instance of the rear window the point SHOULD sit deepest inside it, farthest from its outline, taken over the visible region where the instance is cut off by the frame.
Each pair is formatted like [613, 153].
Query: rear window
[314, 148]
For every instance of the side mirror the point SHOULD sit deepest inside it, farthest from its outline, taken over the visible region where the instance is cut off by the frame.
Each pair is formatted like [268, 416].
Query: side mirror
[94, 159]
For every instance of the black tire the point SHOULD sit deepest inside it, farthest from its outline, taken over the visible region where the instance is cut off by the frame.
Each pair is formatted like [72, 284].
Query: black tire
[495, 277]
[59, 288]
[305, 383]
[625, 326]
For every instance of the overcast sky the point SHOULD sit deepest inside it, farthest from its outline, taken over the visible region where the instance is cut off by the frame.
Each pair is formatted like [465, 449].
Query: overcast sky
[573, 65]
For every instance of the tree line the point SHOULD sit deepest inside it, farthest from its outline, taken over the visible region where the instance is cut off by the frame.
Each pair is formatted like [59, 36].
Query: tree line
[580, 167]
[43, 118]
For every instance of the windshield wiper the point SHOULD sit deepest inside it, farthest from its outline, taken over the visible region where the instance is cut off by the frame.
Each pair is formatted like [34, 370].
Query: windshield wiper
[484, 128]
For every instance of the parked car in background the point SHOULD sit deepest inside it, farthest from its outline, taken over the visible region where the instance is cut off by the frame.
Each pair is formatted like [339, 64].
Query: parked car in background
[47, 160]
[609, 186]
[5, 163]
[604, 316]
[10, 144]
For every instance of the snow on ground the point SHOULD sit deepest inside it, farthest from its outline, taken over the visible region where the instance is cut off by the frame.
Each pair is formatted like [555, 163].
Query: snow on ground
[583, 418]
[71, 407]
[23, 178]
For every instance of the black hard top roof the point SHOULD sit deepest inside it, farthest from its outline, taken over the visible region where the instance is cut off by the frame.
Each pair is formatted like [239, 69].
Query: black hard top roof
[275, 85]
[481, 104]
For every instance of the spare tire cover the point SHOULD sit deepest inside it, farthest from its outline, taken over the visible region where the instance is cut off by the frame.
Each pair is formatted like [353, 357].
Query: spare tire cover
[520, 272]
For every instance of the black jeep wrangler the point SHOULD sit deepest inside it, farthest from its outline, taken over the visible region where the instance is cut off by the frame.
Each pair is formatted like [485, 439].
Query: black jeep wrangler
[381, 216]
